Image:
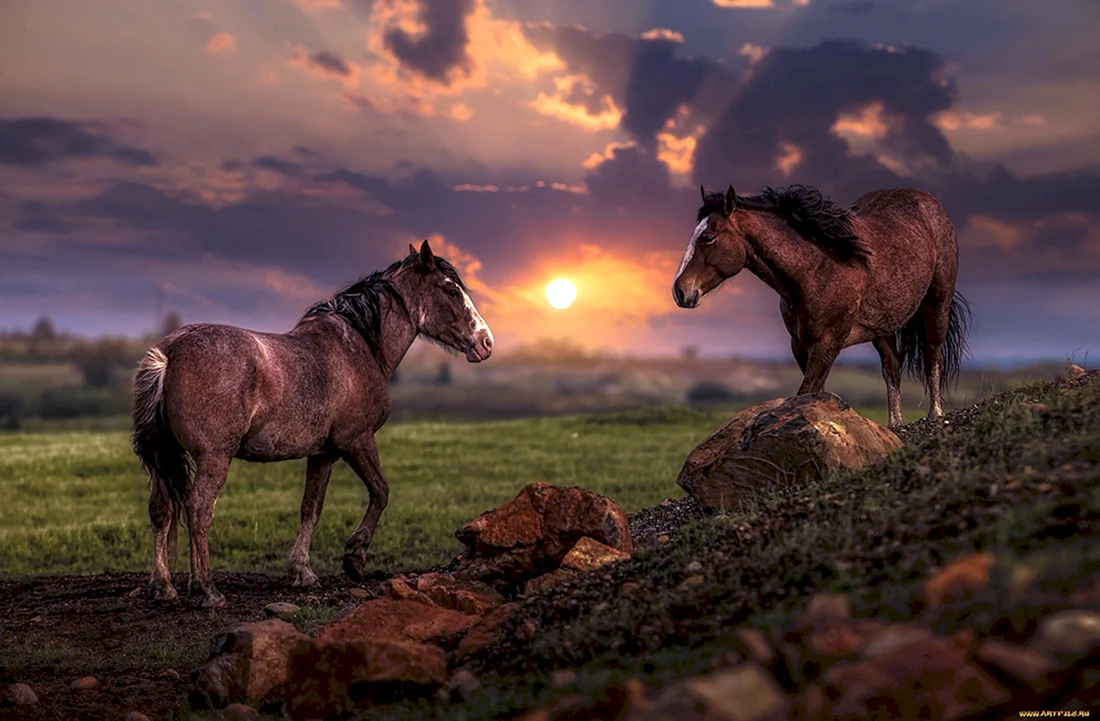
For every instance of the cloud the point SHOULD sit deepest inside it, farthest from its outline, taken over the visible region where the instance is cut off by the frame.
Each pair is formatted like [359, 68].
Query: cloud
[221, 44]
[32, 142]
[643, 76]
[437, 48]
[576, 102]
[325, 64]
[744, 3]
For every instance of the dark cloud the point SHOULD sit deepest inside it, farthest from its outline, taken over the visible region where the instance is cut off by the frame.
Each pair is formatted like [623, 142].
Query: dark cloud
[794, 97]
[38, 141]
[277, 165]
[645, 77]
[441, 49]
[331, 62]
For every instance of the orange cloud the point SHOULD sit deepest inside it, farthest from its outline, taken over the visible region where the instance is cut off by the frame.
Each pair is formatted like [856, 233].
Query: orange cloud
[663, 34]
[951, 120]
[317, 4]
[221, 44]
[596, 159]
[754, 53]
[498, 51]
[558, 106]
[461, 112]
[988, 232]
[676, 152]
[869, 122]
[471, 188]
[789, 160]
[744, 3]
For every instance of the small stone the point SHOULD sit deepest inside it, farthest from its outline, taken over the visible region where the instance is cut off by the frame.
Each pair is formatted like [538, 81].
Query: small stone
[691, 581]
[280, 609]
[18, 694]
[959, 580]
[588, 554]
[825, 607]
[1072, 635]
[84, 683]
[358, 593]
[462, 685]
[694, 567]
[1074, 371]
[135, 593]
[562, 678]
[629, 587]
[170, 673]
[756, 645]
[742, 693]
[663, 538]
[1026, 666]
[893, 637]
[136, 716]
[240, 711]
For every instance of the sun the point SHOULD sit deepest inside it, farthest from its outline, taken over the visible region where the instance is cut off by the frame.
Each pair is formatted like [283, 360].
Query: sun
[561, 293]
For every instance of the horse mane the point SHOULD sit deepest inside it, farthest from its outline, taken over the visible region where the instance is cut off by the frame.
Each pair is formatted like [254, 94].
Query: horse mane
[811, 215]
[360, 304]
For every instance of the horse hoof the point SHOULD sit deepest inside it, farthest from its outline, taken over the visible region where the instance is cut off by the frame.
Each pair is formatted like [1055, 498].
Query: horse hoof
[353, 567]
[214, 600]
[304, 579]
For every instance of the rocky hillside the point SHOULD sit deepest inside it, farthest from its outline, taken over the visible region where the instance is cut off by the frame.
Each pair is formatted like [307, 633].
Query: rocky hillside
[956, 578]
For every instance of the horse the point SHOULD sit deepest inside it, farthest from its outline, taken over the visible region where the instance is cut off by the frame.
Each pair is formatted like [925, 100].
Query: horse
[881, 271]
[206, 394]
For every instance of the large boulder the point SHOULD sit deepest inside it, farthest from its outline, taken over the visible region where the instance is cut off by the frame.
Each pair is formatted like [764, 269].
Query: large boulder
[531, 534]
[405, 618]
[783, 442]
[250, 663]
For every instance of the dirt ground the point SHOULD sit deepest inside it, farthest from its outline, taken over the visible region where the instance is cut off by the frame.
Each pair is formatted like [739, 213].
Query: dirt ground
[56, 630]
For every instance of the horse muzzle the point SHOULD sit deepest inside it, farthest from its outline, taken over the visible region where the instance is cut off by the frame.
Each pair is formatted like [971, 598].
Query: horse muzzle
[481, 349]
[684, 299]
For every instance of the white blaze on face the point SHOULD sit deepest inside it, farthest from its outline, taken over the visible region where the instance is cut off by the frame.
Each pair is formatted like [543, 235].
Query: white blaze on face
[479, 322]
[690, 252]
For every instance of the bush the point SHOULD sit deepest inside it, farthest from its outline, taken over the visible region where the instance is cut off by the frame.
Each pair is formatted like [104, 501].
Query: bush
[11, 410]
[710, 392]
[64, 403]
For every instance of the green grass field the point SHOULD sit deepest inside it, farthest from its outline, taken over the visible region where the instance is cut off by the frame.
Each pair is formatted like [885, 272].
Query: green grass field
[75, 501]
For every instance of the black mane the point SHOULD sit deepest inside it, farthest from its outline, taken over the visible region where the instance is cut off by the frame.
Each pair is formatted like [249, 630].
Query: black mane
[809, 213]
[360, 304]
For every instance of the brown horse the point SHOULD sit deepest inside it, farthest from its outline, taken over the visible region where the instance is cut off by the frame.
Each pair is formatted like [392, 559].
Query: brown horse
[209, 393]
[882, 271]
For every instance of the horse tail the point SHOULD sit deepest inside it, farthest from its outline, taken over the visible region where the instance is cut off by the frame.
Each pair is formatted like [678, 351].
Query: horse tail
[912, 336]
[162, 457]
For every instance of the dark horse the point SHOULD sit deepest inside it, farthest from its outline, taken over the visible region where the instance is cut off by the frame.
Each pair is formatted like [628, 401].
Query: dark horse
[209, 393]
[882, 271]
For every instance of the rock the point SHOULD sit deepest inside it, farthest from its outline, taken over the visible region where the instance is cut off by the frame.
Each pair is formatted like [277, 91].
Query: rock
[170, 673]
[135, 716]
[563, 677]
[240, 711]
[359, 592]
[783, 442]
[693, 567]
[84, 683]
[463, 595]
[329, 678]
[894, 637]
[18, 694]
[280, 609]
[959, 580]
[589, 554]
[531, 534]
[1071, 636]
[250, 663]
[462, 685]
[835, 639]
[824, 607]
[487, 631]
[696, 580]
[547, 580]
[1027, 667]
[1074, 371]
[756, 646]
[742, 693]
[625, 701]
[924, 679]
[413, 620]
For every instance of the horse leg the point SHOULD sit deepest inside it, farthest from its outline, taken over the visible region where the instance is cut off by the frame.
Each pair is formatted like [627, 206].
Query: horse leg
[891, 373]
[819, 361]
[318, 470]
[162, 519]
[363, 459]
[801, 355]
[210, 474]
[936, 316]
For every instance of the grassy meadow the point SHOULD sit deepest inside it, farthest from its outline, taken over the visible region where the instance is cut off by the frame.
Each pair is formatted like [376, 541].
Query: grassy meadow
[75, 501]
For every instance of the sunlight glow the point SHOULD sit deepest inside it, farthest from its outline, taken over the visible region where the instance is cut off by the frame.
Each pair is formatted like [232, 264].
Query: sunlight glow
[561, 293]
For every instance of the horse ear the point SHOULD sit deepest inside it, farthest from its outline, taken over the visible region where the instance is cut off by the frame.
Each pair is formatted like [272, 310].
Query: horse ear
[703, 192]
[730, 201]
[426, 256]
[412, 249]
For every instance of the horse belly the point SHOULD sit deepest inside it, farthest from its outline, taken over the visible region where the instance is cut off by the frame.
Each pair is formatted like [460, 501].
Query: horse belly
[280, 441]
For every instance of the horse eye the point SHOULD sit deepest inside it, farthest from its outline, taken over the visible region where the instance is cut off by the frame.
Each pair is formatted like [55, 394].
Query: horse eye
[453, 292]
[707, 239]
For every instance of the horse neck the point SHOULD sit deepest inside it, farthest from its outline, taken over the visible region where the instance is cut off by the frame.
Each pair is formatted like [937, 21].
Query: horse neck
[398, 333]
[777, 254]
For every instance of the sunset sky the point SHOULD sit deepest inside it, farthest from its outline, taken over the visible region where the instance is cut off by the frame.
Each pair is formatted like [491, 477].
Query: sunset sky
[250, 157]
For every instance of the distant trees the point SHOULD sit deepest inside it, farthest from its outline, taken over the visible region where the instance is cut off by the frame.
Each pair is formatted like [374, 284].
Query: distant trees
[44, 330]
[443, 375]
[172, 323]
